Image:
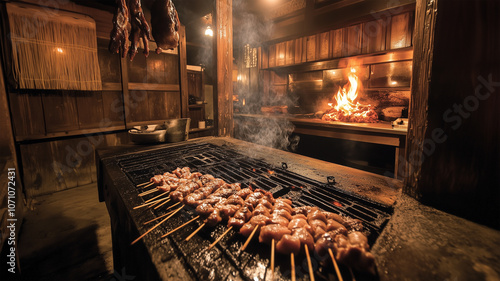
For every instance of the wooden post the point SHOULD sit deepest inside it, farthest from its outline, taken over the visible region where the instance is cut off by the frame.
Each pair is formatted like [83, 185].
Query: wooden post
[183, 77]
[223, 53]
[453, 151]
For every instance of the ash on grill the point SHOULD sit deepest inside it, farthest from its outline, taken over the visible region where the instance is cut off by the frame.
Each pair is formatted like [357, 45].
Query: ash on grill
[233, 167]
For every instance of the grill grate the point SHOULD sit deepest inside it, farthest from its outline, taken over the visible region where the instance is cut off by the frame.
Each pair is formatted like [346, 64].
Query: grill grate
[233, 167]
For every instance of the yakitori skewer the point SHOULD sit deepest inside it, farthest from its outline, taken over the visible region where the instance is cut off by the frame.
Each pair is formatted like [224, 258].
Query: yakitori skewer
[152, 203]
[272, 259]
[156, 206]
[292, 262]
[218, 239]
[309, 264]
[140, 237]
[152, 190]
[352, 274]
[148, 185]
[156, 197]
[163, 204]
[196, 231]
[162, 216]
[335, 265]
[183, 225]
[144, 183]
[249, 238]
[173, 206]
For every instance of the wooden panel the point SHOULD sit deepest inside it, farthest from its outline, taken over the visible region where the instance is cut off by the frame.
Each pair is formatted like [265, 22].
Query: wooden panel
[113, 108]
[60, 111]
[400, 31]
[323, 45]
[157, 105]
[265, 57]
[27, 114]
[374, 33]
[172, 64]
[153, 87]
[354, 38]
[272, 56]
[90, 109]
[337, 42]
[298, 51]
[137, 69]
[311, 48]
[39, 176]
[156, 69]
[265, 78]
[290, 52]
[196, 114]
[280, 54]
[195, 86]
[138, 107]
[108, 63]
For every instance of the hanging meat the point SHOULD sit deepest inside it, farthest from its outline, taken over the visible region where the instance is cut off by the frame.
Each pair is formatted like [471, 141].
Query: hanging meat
[129, 23]
[165, 24]
[121, 27]
[140, 29]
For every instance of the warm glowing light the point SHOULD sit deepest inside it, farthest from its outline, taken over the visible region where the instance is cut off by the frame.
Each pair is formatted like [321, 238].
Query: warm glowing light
[59, 50]
[394, 83]
[209, 31]
[347, 108]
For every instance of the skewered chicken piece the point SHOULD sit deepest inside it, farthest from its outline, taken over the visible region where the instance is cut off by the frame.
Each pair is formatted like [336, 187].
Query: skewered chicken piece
[165, 25]
[118, 42]
[252, 211]
[140, 29]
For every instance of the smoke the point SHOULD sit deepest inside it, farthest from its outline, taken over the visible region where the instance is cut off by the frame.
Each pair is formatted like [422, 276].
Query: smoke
[253, 30]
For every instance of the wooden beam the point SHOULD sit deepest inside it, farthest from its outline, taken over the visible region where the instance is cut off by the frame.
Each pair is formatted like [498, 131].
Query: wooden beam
[454, 130]
[224, 66]
[183, 77]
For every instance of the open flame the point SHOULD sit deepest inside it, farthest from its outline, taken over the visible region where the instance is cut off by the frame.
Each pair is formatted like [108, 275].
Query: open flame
[347, 108]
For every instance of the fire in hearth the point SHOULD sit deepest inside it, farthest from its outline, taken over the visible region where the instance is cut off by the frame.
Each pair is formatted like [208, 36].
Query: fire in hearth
[348, 108]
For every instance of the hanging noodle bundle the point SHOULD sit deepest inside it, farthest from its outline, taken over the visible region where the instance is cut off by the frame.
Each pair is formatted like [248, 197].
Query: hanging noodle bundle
[53, 49]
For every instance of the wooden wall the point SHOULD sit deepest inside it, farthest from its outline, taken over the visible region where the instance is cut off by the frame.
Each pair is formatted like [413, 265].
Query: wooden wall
[57, 131]
[363, 38]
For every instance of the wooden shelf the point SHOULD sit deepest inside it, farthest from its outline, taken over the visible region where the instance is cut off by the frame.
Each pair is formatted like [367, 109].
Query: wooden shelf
[196, 130]
[196, 105]
[69, 133]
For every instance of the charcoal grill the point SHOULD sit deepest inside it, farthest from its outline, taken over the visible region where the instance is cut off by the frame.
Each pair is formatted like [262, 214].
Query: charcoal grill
[226, 261]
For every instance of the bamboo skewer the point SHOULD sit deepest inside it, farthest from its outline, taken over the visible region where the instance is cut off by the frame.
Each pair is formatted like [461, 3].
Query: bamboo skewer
[162, 216]
[152, 190]
[249, 238]
[156, 197]
[140, 237]
[163, 204]
[144, 183]
[309, 264]
[292, 262]
[172, 231]
[272, 259]
[335, 265]
[152, 203]
[196, 231]
[218, 239]
[352, 274]
[148, 185]
[172, 206]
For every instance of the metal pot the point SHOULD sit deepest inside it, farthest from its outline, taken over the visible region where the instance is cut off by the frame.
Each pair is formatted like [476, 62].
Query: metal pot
[177, 129]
